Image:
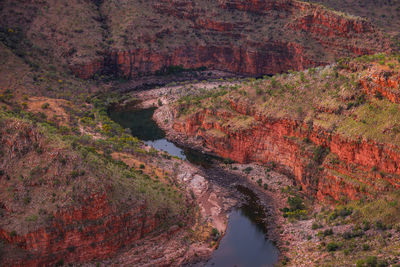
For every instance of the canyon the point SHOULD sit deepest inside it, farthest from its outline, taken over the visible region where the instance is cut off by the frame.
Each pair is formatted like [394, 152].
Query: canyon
[326, 164]
[291, 35]
[56, 209]
[316, 122]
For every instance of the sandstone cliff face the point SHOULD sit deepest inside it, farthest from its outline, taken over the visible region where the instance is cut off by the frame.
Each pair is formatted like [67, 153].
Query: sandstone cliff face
[246, 37]
[86, 71]
[58, 207]
[348, 170]
[80, 234]
[385, 83]
[269, 58]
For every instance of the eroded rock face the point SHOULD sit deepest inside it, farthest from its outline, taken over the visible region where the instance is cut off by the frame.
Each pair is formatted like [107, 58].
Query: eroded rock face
[383, 83]
[55, 209]
[268, 58]
[350, 167]
[80, 234]
[247, 37]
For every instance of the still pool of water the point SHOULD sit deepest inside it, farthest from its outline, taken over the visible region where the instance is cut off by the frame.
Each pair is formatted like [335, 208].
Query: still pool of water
[142, 126]
[244, 243]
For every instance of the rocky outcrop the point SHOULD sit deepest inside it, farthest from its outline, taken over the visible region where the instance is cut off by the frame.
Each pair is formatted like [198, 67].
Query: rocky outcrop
[80, 234]
[244, 37]
[55, 209]
[87, 70]
[270, 58]
[383, 83]
[325, 164]
[330, 24]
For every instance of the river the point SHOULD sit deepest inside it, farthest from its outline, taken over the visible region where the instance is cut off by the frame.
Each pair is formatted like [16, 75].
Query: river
[245, 243]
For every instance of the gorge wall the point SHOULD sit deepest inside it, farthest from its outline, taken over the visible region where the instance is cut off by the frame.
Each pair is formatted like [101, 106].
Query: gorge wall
[341, 169]
[246, 37]
[93, 231]
[56, 207]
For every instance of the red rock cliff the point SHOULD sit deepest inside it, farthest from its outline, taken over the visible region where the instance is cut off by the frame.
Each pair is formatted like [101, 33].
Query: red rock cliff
[385, 83]
[350, 169]
[52, 212]
[260, 37]
[79, 234]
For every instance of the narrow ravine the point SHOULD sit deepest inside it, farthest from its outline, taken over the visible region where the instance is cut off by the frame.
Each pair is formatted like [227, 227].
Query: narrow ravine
[245, 242]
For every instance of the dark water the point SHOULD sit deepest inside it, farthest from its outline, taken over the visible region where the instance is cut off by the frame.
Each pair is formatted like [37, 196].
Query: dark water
[245, 243]
[145, 128]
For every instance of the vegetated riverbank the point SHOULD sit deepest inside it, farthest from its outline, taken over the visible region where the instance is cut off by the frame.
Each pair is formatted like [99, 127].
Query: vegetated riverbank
[196, 241]
[229, 175]
[246, 223]
[309, 232]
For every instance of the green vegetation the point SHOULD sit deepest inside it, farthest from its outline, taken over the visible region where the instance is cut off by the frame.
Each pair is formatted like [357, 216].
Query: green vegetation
[297, 209]
[330, 98]
[45, 105]
[86, 168]
[373, 226]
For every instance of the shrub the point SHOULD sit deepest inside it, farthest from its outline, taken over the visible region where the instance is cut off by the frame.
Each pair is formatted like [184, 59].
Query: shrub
[332, 246]
[380, 225]
[297, 214]
[265, 186]
[296, 203]
[372, 261]
[32, 218]
[228, 161]
[366, 225]
[45, 105]
[76, 173]
[315, 226]
[365, 247]
[352, 234]
[319, 154]
[342, 212]
[259, 182]
[248, 170]
[215, 234]
[327, 232]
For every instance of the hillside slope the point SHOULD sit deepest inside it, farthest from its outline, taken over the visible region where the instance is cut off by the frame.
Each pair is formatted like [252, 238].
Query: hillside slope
[135, 38]
[62, 201]
[383, 13]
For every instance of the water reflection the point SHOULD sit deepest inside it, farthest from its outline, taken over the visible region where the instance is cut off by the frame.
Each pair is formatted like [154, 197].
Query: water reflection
[245, 243]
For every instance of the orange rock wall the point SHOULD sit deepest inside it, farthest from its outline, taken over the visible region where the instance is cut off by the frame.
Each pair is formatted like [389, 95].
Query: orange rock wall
[226, 46]
[281, 141]
[386, 83]
[80, 234]
[271, 58]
